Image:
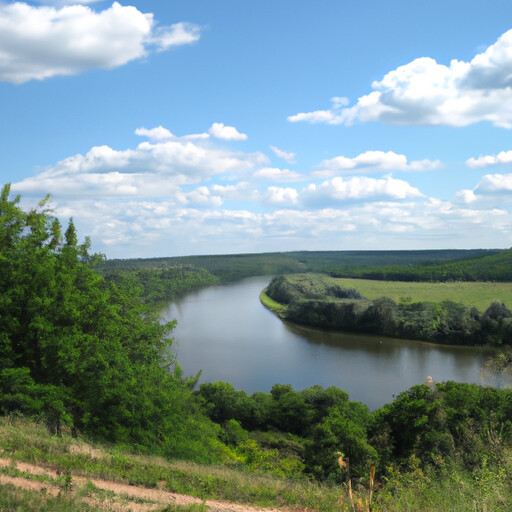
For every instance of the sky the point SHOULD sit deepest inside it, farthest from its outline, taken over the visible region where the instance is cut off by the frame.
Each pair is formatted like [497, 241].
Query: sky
[184, 127]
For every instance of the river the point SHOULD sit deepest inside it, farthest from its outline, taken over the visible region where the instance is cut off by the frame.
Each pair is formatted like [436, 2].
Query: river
[226, 332]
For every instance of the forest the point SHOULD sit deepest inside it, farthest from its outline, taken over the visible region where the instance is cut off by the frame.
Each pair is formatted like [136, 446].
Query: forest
[314, 300]
[83, 352]
[230, 267]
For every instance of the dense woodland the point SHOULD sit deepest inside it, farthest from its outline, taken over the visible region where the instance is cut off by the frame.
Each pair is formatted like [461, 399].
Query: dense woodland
[491, 267]
[231, 267]
[81, 351]
[312, 302]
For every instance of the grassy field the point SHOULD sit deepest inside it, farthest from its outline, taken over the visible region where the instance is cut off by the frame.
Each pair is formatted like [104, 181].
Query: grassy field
[479, 295]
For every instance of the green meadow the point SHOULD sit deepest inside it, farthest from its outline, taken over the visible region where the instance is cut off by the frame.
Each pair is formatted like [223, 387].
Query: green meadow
[477, 294]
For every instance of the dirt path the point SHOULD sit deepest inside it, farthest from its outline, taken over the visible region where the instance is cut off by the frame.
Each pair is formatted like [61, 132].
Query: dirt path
[125, 495]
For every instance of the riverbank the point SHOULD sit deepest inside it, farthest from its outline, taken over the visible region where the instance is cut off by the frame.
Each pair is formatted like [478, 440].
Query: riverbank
[320, 301]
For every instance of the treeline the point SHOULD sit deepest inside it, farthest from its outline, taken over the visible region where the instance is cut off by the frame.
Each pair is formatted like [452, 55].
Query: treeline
[160, 284]
[495, 267]
[231, 267]
[445, 322]
[428, 426]
[226, 268]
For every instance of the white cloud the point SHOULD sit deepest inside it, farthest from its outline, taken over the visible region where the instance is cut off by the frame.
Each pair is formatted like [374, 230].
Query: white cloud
[372, 161]
[61, 3]
[159, 133]
[173, 195]
[202, 196]
[280, 196]
[424, 92]
[495, 184]
[124, 227]
[177, 34]
[41, 42]
[466, 196]
[289, 157]
[241, 191]
[355, 189]
[504, 157]
[150, 170]
[219, 131]
[335, 115]
[276, 174]
[491, 190]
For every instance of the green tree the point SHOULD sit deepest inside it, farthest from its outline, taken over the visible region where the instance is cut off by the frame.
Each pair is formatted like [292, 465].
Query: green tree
[77, 350]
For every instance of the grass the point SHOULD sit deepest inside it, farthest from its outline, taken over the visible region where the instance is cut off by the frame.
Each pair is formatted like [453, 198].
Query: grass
[485, 489]
[271, 304]
[479, 295]
[24, 440]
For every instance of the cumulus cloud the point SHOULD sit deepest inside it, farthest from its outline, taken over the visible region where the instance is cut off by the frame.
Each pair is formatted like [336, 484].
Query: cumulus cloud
[174, 195]
[504, 157]
[130, 227]
[201, 196]
[276, 174]
[285, 155]
[425, 92]
[492, 187]
[219, 131]
[241, 191]
[151, 169]
[372, 161]
[159, 133]
[357, 188]
[45, 41]
[216, 195]
[495, 184]
[280, 196]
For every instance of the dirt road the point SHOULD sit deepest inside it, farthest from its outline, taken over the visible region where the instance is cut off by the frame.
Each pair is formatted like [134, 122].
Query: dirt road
[119, 496]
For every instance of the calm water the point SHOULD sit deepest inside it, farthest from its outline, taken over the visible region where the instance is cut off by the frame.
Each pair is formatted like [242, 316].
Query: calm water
[227, 333]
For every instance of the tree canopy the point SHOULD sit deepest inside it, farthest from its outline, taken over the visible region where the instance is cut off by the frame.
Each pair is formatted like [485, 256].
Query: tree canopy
[81, 351]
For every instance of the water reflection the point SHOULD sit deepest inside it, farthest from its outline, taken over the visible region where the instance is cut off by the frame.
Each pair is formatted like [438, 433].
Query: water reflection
[227, 333]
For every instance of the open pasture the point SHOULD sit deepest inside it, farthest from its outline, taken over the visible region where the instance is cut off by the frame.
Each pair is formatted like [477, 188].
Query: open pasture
[479, 295]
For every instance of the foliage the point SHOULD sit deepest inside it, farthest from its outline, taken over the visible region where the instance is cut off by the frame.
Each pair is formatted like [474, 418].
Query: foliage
[320, 301]
[491, 267]
[320, 422]
[79, 351]
[449, 421]
[231, 267]
[162, 283]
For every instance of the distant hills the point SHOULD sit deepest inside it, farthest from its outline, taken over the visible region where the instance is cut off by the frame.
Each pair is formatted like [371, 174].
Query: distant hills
[437, 265]
[422, 265]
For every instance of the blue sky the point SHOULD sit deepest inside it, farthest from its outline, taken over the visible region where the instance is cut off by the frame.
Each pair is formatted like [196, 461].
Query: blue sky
[224, 126]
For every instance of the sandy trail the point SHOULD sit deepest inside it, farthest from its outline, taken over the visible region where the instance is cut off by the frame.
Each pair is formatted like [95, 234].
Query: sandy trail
[125, 494]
